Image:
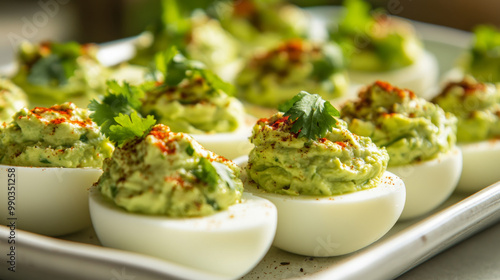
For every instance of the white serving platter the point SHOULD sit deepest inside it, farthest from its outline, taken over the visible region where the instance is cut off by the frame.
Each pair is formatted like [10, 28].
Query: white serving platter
[80, 256]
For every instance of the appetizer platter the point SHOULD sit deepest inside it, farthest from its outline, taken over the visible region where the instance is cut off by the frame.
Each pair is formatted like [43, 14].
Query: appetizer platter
[206, 236]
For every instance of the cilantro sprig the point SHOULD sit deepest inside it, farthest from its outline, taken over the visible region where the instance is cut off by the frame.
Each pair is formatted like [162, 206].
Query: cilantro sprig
[56, 67]
[118, 113]
[174, 68]
[312, 116]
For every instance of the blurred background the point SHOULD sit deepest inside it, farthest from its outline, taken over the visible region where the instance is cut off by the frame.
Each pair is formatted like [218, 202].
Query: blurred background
[102, 21]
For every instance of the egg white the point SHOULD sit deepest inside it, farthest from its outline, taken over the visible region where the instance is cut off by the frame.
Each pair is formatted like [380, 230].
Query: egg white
[429, 183]
[48, 200]
[229, 144]
[420, 77]
[334, 225]
[228, 243]
[481, 162]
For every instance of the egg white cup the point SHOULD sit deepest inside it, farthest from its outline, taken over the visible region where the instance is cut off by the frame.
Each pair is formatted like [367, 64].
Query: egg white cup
[46, 200]
[229, 144]
[429, 183]
[229, 243]
[334, 225]
[481, 165]
[420, 77]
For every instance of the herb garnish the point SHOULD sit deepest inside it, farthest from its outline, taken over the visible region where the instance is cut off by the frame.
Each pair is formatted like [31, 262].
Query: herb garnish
[117, 113]
[57, 66]
[485, 54]
[312, 116]
[174, 68]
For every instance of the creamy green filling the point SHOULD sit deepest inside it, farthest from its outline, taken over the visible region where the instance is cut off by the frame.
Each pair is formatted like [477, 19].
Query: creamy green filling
[341, 162]
[194, 107]
[59, 136]
[170, 174]
[375, 42]
[410, 128]
[52, 73]
[12, 99]
[271, 79]
[477, 107]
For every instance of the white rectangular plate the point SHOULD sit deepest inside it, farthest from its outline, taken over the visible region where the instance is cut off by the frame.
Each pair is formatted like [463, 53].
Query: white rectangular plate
[80, 256]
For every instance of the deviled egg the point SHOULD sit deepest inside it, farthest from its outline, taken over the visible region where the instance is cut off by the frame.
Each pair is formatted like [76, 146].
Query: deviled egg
[52, 73]
[419, 136]
[271, 77]
[12, 99]
[476, 105]
[261, 24]
[49, 158]
[331, 189]
[382, 47]
[198, 102]
[164, 195]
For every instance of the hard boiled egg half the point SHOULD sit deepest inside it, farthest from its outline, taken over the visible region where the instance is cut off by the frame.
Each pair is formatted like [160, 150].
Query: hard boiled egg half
[334, 225]
[429, 183]
[480, 165]
[46, 200]
[229, 144]
[229, 243]
[155, 197]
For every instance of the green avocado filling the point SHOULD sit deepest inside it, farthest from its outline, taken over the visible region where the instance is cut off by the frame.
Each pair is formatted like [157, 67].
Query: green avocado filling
[374, 41]
[275, 76]
[484, 56]
[53, 72]
[257, 23]
[169, 173]
[189, 98]
[477, 107]
[410, 128]
[59, 136]
[12, 99]
[301, 152]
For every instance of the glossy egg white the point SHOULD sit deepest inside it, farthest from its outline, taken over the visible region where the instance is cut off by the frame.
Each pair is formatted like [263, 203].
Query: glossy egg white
[420, 77]
[334, 225]
[481, 163]
[229, 243]
[429, 183]
[229, 144]
[47, 200]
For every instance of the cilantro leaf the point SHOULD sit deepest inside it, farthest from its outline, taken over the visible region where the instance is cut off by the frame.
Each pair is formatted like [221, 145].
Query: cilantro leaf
[119, 99]
[210, 173]
[175, 68]
[357, 16]
[56, 67]
[131, 94]
[129, 127]
[216, 82]
[46, 70]
[485, 54]
[312, 116]
[117, 113]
